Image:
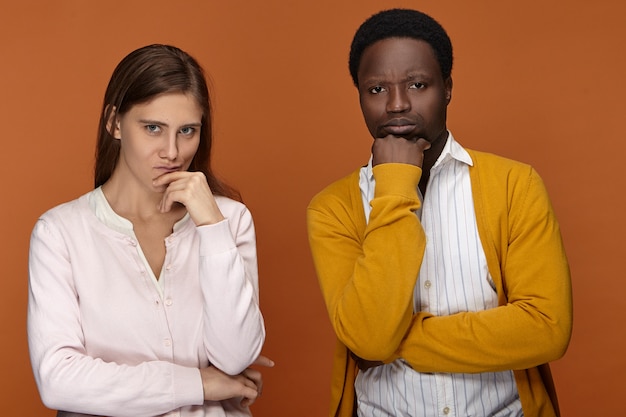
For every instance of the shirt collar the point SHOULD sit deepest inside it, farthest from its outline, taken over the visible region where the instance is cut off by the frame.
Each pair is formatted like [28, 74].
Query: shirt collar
[105, 213]
[453, 150]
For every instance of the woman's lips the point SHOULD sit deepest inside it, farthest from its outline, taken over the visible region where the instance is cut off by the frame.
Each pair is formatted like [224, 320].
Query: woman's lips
[168, 169]
[160, 171]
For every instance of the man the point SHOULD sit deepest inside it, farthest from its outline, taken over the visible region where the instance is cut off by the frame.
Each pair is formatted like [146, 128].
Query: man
[442, 268]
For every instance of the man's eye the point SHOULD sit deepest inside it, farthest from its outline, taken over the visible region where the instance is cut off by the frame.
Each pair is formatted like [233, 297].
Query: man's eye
[377, 89]
[187, 131]
[419, 86]
[153, 128]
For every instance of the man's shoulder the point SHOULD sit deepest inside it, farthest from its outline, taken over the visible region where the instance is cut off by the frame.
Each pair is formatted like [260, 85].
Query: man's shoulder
[488, 159]
[490, 165]
[337, 192]
[494, 174]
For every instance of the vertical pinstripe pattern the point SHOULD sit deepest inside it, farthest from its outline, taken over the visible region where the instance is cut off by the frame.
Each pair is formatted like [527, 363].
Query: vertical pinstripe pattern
[453, 278]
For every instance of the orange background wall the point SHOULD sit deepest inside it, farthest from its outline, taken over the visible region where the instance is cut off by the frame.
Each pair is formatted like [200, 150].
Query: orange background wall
[537, 81]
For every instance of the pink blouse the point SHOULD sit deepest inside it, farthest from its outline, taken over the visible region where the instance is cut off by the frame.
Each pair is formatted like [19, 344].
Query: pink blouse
[105, 340]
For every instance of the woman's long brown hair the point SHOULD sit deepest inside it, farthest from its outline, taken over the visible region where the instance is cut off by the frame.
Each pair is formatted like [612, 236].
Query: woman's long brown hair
[139, 77]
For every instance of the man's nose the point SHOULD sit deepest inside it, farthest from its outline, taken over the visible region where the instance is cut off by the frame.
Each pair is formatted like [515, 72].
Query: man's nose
[398, 100]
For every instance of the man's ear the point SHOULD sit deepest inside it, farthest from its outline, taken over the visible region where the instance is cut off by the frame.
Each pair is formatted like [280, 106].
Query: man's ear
[113, 122]
[448, 87]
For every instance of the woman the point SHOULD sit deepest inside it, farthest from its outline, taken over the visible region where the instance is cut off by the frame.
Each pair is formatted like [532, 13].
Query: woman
[143, 292]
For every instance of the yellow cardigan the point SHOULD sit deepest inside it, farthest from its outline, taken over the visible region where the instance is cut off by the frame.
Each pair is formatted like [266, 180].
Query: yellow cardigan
[367, 272]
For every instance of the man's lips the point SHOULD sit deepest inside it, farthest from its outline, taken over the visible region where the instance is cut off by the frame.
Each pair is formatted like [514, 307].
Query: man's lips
[399, 127]
[399, 130]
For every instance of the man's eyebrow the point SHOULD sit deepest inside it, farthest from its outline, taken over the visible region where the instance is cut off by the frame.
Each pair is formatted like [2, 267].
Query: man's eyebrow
[376, 79]
[417, 74]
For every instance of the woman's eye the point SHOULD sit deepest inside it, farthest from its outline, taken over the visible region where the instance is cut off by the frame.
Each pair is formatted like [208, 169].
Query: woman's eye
[153, 128]
[377, 89]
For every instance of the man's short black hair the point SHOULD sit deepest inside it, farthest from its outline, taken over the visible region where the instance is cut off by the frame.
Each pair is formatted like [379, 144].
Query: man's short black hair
[401, 23]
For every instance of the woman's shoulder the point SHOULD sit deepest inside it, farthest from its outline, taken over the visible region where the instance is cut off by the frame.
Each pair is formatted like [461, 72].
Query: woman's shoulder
[67, 218]
[230, 207]
[68, 209]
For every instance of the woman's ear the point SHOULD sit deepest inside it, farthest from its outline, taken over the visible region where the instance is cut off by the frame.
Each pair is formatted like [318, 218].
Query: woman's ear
[113, 122]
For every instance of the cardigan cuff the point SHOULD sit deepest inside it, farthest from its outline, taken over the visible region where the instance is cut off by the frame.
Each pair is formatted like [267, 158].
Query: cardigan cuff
[188, 389]
[216, 238]
[397, 179]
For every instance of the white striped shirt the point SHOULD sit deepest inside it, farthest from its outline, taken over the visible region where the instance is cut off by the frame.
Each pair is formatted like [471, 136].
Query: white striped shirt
[453, 278]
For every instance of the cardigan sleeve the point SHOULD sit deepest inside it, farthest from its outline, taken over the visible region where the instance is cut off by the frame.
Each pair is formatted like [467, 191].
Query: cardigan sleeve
[67, 377]
[234, 330]
[526, 258]
[367, 280]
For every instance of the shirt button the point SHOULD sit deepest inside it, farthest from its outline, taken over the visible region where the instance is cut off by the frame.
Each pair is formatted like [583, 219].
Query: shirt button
[446, 410]
[168, 302]
[168, 267]
[167, 342]
[427, 284]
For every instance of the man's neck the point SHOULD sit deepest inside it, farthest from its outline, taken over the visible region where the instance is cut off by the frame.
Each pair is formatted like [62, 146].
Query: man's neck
[430, 157]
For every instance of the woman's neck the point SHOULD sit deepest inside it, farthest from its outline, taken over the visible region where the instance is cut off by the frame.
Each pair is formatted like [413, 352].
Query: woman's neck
[138, 204]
